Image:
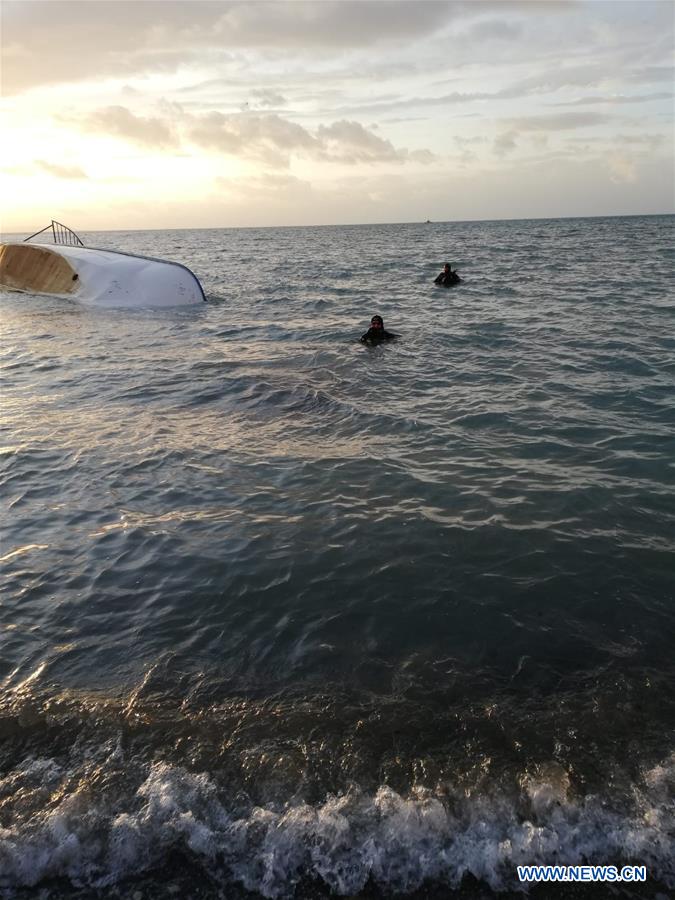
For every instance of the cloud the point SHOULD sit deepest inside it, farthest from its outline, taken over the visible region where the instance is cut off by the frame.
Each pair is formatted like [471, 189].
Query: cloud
[555, 78]
[644, 145]
[541, 126]
[51, 41]
[343, 23]
[121, 122]
[267, 97]
[274, 139]
[559, 122]
[467, 145]
[60, 171]
[495, 30]
[332, 88]
[651, 74]
[505, 143]
[350, 142]
[401, 120]
[651, 141]
[464, 142]
[415, 103]
[47, 42]
[268, 137]
[615, 99]
[549, 81]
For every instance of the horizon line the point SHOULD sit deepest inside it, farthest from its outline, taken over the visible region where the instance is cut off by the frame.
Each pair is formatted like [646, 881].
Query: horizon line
[363, 224]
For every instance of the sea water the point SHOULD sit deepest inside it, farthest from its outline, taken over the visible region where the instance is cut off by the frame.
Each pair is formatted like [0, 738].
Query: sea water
[287, 614]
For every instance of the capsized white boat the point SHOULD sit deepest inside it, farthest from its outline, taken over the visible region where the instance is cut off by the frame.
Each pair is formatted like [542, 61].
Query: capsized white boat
[66, 268]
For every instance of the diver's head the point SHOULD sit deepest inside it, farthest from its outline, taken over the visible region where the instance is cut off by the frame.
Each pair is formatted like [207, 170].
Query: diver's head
[446, 267]
[377, 322]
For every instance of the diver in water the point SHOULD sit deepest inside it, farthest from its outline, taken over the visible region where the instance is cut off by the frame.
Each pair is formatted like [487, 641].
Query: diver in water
[376, 332]
[447, 276]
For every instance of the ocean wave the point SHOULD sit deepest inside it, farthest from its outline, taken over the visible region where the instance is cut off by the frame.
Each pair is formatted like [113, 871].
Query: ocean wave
[74, 825]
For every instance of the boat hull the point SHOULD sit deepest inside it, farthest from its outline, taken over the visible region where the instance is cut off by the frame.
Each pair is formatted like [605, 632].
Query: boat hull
[98, 277]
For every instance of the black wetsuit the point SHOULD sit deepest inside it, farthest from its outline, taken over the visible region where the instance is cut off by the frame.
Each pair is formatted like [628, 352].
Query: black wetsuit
[375, 335]
[447, 278]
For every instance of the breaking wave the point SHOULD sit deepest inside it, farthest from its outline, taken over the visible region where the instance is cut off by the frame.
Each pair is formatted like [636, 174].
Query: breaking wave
[91, 829]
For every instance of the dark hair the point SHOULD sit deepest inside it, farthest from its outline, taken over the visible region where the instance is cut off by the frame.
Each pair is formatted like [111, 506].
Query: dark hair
[377, 319]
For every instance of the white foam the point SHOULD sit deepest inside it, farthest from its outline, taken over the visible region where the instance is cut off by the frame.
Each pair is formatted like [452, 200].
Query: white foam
[396, 841]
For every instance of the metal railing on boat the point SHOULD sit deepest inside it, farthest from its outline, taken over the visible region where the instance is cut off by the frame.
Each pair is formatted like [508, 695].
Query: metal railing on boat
[61, 234]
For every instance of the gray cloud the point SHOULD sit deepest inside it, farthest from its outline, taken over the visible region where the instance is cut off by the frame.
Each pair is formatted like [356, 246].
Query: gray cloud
[541, 83]
[294, 75]
[351, 23]
[494, 29]
[540, 126]
[273, 139]
[505, 143]
[463, 142]
[651, 141]
[400, 120]
[121, 122]
[652, 74]
[555, 78]
[350, 142]
[532, 86]
[267, 97]
[559, 122]
[614, 99]
[382, 107]
[268, 138]
[50, 41]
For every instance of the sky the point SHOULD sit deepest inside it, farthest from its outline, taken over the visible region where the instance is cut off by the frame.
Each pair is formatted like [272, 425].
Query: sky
[188, 114]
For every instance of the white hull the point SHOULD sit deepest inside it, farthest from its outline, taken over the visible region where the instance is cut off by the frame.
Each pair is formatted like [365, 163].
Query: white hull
[98, 277]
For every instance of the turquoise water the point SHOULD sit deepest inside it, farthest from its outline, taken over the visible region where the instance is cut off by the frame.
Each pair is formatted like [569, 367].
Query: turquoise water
[306, 615]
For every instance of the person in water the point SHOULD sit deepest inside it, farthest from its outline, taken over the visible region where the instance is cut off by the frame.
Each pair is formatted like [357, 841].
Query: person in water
[447, 276]
[376, 331]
